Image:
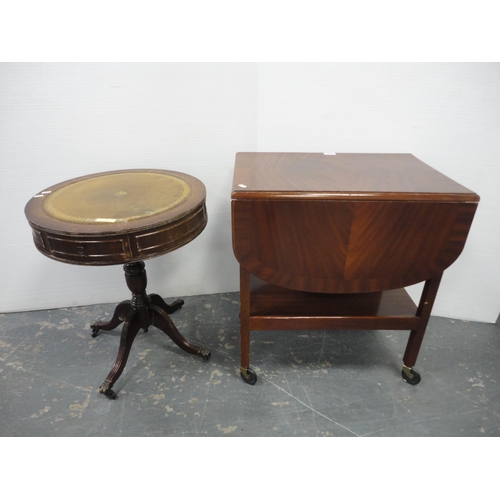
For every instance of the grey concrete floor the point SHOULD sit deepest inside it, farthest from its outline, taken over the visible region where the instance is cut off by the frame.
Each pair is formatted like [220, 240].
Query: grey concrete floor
[310, 383]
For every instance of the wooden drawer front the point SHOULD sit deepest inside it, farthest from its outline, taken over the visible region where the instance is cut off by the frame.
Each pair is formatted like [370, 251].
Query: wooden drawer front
[165, 239]
[38, 239]
[87, 251]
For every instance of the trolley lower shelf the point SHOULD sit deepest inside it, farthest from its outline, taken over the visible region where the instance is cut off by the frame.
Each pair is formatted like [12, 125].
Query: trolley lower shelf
[265, 306]
[276, 308]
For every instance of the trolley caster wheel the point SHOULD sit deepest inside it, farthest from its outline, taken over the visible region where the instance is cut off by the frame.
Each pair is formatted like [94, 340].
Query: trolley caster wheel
[95, 331]
[410, 376]
[204, 354]
[248, 376]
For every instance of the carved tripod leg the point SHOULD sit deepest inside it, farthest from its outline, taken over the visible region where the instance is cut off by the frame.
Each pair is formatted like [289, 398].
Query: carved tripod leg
[168, 308]
[162, 321]
[129, 331]
[121, 312]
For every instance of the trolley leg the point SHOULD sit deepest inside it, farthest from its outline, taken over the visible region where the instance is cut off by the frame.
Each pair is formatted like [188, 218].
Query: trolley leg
[416, 336]
[247, 374]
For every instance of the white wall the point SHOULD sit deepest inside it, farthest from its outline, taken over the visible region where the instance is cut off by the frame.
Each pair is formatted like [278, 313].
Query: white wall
[59, 121]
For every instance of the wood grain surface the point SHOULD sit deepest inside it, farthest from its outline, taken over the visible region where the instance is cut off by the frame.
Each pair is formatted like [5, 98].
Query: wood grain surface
[372, 233]
[343, 175]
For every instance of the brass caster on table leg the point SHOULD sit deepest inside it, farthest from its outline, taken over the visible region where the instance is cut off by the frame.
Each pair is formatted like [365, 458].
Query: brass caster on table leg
[95, 330]
[106, 390]
[248, 375]
[175, 306]
[410, 376]
[204, 354]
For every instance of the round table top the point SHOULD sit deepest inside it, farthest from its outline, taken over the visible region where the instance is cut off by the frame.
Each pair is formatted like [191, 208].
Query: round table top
[118, 197]
[116, 201]
[123, 204]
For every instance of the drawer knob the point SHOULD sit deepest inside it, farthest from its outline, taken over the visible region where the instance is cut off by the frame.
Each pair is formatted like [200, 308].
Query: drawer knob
[80, 250]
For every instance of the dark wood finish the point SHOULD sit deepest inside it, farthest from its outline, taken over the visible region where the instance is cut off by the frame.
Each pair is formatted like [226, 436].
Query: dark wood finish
[329, 241]
[122, 216]
[139, 220]
[423, 312]
[142, 311]
[342, 176]
[271, 304]
[344, 247]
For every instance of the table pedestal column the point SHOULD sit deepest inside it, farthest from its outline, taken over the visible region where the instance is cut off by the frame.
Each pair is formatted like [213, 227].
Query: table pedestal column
[141, 312]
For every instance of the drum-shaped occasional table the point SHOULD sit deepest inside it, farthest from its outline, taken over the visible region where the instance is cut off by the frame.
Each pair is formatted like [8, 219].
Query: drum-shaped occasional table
[330, 241]
[123, 217]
